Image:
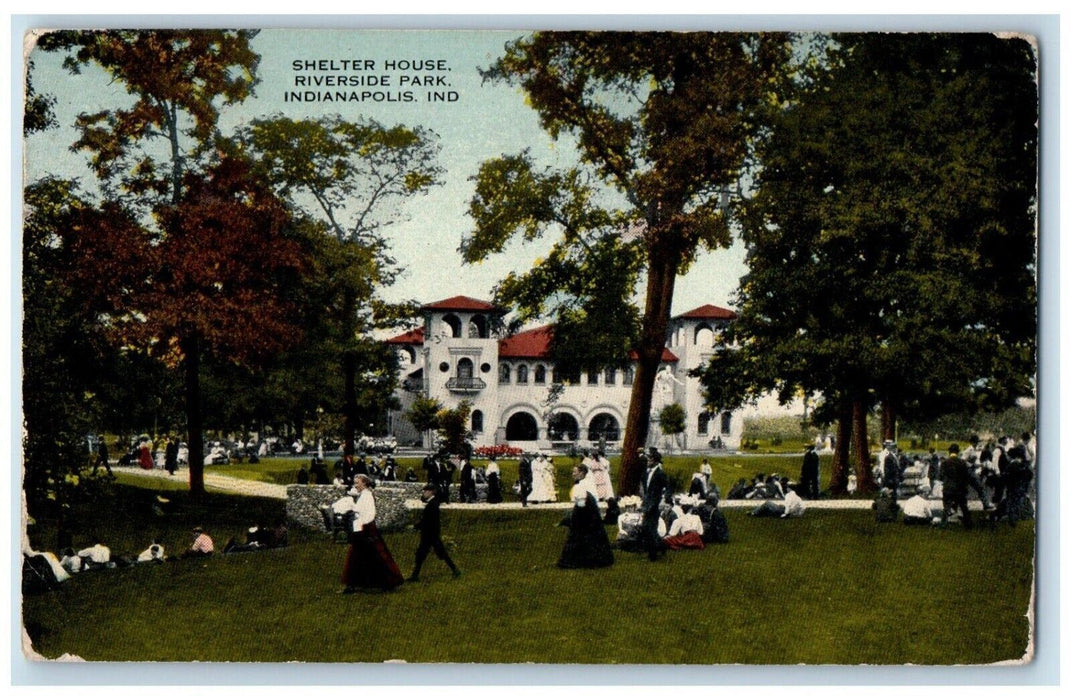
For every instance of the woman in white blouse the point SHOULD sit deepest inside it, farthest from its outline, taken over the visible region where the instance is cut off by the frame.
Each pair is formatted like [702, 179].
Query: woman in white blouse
[369, 563]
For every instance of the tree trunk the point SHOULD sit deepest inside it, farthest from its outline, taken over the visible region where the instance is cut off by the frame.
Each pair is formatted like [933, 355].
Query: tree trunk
[661, 278]
[888, 420]
[191, 349]
[861, 446]
[838, 484]
[349, 401]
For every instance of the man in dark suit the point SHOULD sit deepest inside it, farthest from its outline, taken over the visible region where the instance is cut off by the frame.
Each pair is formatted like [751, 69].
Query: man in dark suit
[524, 476]
[430, 527]
[654, 489]
[809, 473]
[957, 479]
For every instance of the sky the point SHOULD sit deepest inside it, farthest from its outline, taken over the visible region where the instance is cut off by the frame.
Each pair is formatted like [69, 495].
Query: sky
[485, 121]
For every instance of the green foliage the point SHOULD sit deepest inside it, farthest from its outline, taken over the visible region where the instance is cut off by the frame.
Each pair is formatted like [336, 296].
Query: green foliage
[453, 426]
[423, 413]
[671, 419]
[663, 123]
[891, 234]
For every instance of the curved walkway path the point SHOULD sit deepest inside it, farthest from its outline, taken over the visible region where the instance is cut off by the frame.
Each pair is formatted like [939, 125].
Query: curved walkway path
[246, 487]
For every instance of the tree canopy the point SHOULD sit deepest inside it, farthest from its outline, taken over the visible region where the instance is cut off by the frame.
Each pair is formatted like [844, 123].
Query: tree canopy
[664, 123]
[891, 235]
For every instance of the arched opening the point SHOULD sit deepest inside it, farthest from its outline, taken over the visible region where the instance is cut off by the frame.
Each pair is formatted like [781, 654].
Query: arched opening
[503, 373]
[522, 374]
[604, 427]
[726, 423]
[704, 423]
[464, 368]
[478, 327]
[704, 336]
[522, 426]
[477, 421]
[540, 374]
[563, 426]
[406, 356]
[610, 376]
[454, 324]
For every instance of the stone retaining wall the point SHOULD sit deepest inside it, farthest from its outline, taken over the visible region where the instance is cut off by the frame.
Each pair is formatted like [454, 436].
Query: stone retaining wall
[303, 503]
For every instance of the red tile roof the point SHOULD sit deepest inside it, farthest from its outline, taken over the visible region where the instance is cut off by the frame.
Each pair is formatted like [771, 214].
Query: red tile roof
[531, 343]
[460, 303]
[535, 343]
[410, 337]
[709, 311]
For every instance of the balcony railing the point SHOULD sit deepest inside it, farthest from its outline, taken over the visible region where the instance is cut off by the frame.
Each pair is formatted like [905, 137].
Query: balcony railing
[465, 385]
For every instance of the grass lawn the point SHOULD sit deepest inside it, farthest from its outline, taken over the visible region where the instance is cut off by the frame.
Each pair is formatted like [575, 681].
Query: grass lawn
[833, 587]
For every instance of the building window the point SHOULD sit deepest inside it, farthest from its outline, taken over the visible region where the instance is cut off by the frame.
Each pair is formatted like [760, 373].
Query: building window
[477, 421]
[704, 423]
[726, 423]
[454, 324]
[610, 376]
[540, 374]
[704, 336]
[522, 374]
[464, 368]
[593, 378]
[628, 374]
[503, 373]
[444, 366]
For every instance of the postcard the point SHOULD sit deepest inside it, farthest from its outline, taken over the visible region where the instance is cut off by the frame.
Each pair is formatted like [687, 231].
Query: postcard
[559, 347]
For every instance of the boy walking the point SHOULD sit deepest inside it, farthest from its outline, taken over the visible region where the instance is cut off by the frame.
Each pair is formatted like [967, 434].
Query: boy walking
[430, 527]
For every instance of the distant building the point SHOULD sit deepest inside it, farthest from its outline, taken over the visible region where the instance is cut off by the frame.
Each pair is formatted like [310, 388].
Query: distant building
[456, 356]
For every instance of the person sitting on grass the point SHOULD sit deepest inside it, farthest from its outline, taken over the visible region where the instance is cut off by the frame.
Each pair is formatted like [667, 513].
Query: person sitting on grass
[715, 527]
[280, 536]
[739, 490]
[96, 557]
[70, 561]
[791, 507]
[252, 542]
[919, 511]
[410, 476]
[337, 513]
[701, 481]
[687, 530]
[202, 545]
[154, 554]
[630, 536]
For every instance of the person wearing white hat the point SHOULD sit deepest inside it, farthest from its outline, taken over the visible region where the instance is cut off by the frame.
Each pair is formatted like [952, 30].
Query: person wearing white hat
[701, 485]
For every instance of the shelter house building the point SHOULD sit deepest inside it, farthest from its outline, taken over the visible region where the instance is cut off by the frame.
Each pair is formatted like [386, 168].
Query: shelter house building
[458, 356]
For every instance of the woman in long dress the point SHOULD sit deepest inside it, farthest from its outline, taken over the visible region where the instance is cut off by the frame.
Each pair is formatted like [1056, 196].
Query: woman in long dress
[369, 563]
[587, 546]
[542, 481]
[494, 482]
[600, 475]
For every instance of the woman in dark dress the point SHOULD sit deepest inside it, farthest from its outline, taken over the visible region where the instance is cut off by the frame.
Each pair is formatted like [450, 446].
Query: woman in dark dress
[587, 546]
[369, 563]
[494, 482]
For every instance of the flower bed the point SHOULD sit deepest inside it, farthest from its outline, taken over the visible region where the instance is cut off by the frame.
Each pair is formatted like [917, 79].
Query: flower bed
[497, 451]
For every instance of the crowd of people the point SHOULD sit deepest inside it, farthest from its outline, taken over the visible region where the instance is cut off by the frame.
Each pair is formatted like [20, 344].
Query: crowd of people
[1000, 474]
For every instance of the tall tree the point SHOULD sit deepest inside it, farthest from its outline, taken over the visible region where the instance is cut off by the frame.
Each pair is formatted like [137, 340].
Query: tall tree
[664, 124]
[177, 80]
[356, 178]
[891, 236]
[215, 282]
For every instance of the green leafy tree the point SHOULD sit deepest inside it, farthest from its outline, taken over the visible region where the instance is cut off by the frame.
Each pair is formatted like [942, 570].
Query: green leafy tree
[664, 124]
[671, 419]
[356, 178]
[423, 413]
[890, 239]
[453, 427]
[178, 80]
